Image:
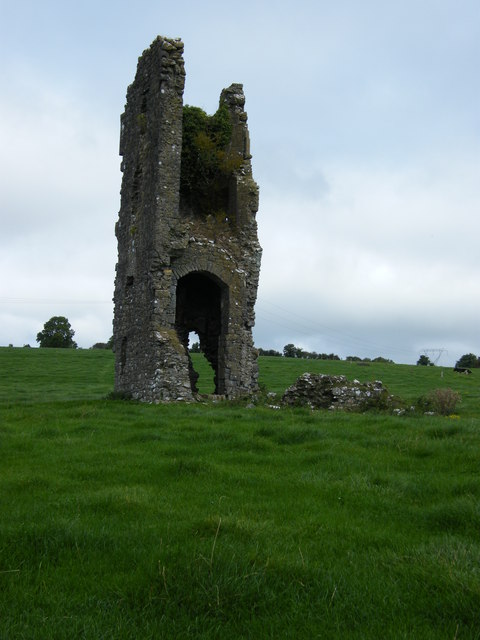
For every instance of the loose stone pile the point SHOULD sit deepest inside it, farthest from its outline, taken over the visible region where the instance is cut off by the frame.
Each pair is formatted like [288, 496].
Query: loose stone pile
[320, 391]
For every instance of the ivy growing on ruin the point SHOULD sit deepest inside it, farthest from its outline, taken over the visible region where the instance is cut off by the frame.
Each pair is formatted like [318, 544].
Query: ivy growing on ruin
[207, 163]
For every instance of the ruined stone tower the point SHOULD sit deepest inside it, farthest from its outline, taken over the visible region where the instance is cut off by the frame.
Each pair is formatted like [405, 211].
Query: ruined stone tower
[188, 252]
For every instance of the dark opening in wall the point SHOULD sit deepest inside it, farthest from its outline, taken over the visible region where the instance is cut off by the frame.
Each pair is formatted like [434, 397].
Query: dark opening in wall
[200, 308]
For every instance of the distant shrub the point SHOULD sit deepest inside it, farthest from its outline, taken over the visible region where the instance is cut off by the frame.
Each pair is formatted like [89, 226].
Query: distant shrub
[268, 352]
[379, 359]
[291, 351]
[468, 361]
[442, 401]
[103, 345]
[424, 361]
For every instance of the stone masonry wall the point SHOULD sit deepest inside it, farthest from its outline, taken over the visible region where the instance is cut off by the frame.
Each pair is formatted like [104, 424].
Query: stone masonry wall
[165, 249]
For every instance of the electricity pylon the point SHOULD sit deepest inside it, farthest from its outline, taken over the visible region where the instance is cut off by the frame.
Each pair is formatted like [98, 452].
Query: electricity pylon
[438, 352]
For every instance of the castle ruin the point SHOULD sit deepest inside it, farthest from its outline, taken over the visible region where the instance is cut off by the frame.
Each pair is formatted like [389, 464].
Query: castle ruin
[188, 251]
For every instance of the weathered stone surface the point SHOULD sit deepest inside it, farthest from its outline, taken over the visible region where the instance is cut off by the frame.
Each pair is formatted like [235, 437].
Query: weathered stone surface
[320, 391]
[178, 269]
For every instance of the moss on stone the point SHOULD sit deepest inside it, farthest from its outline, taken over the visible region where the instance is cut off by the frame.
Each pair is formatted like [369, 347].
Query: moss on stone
[207, 163]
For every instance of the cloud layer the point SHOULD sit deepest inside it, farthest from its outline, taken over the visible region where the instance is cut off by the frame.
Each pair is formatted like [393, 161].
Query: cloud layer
[365, 138]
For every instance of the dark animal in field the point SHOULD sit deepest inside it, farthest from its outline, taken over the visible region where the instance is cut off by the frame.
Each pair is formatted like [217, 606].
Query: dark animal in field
[462, 370]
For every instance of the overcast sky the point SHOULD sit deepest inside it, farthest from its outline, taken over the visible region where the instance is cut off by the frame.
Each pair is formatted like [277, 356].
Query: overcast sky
[364, 122]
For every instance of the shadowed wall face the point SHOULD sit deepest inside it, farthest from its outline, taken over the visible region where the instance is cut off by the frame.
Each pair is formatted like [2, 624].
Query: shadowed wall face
[188, 251]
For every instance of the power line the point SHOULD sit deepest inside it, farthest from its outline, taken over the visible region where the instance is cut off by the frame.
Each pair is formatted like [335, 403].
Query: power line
[286, 318]
[299, 324]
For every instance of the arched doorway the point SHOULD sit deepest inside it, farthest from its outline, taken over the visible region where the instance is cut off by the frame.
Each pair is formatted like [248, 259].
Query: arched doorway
[201, 307]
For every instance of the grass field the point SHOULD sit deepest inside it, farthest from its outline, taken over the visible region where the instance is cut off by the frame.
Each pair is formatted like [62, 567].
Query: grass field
[214, 520]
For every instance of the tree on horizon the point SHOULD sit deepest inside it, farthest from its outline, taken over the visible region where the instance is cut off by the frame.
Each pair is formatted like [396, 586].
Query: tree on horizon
[57, 333]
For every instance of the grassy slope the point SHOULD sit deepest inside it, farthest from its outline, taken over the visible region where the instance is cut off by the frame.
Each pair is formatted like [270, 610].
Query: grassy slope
[46, 375]
[406, 381]
[122, 520]
[63, 374]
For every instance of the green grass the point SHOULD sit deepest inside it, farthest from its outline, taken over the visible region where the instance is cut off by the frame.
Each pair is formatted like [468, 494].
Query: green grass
[124, 520]
[46, 375]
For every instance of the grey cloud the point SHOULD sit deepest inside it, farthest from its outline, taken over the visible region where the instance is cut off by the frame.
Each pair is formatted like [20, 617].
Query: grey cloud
[364, 129]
